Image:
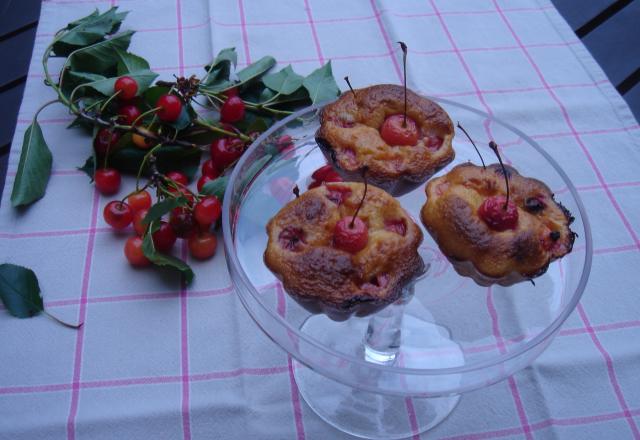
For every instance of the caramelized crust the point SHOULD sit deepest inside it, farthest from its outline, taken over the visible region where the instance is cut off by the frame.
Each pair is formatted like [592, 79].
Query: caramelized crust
[322, 278]
[349, 136]
[541, 235]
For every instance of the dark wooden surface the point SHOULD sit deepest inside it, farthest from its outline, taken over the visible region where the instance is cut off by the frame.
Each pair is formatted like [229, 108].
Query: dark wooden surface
[609, 28]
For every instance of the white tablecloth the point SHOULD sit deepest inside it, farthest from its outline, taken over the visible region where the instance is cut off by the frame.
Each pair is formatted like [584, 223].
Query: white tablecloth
[153, 361]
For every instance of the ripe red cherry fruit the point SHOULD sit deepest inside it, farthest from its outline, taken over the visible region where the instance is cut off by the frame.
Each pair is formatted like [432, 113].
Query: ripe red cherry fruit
[207, 211]
[181, 221]
[127, 86]
[107, 181]
[105, 140]
[202, 181]
[225, 151]
[351, 234]
[170, 108]
[231, 92]
[118, 214]
[139, 201]
[138, 226]
[493, 212]
[232, 110]
[394, 133]
[322, 172]
[164, 238]
[203, 245]
[128, 114]
[209, 169]
[178, 177]
[133, 252]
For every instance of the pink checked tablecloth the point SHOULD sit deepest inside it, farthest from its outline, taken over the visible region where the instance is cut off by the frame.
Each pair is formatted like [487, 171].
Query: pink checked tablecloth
[154, 361]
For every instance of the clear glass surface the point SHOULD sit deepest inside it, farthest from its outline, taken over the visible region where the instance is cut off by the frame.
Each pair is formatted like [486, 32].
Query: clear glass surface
[455, 335]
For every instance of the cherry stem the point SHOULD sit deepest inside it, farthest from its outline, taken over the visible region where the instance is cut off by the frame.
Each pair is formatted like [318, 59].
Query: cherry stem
[364, 195]
[296, 191]
[403, 46]
[153, 110]
[346, 78]
[60, 321]
[472, 143]
[494, 147]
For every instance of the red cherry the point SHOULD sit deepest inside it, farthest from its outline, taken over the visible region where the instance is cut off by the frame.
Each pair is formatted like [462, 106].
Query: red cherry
[398, 226]
[314, 184]
[332, 177]
[178, 177]
[232, 110]
[225, 151]
[202, 181]
[338, 194]
[181, 220]
[351, 238]
[164, 238]
[105, 140]
[139, 201]
[207, 211]
[118, 214]
[127, 86]
[137, 222]
[170, 107]
[133, 252]
[107, 181]
[322, 172]
[492, 211]
[394, 133]
[231, 92]
[284, 143]
[203, 245]
[128, 114]
[209, 169]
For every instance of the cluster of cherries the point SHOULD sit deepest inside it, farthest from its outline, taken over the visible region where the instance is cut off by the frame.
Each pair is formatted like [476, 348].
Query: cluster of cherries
[192, 222]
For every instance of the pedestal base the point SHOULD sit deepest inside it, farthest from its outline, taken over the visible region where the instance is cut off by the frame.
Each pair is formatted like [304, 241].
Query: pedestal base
[367, 414]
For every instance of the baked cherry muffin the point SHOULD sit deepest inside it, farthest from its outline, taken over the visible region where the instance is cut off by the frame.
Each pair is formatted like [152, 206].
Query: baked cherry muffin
[339, 254]
[367, 128]
[488, 240]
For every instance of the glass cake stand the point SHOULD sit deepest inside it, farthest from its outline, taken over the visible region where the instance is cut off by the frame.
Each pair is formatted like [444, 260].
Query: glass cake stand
[401, 371]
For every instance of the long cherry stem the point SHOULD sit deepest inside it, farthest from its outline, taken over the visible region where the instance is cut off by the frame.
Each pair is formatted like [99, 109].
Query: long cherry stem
[364, 196]
[355, 97]
[403, 46]
[472, 143]
[494, 147]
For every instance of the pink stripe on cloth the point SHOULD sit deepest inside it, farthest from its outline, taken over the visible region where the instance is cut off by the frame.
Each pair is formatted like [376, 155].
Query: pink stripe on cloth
[387, 41]
[413, 420]
[569, 122]
[245, 36]
[184, 352]
[82, 314]
[610, 370]
[316, 41]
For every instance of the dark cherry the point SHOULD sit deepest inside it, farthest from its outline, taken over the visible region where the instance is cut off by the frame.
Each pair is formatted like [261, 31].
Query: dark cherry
[170, 108]
[105, 140]
[107, 181]
[207, 211]
[232, 110]
[178, 177]
[209, 169]
[225, 151]
[498, 216]
[291, 238]
[128, 114]
[395, 132]
[399, 226]
[164, 238]
[202, 181]
[351, 234]
[322, 172]
[181, 220]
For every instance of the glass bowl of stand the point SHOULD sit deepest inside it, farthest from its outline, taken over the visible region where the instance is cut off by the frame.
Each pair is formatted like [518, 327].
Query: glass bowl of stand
[401, 371]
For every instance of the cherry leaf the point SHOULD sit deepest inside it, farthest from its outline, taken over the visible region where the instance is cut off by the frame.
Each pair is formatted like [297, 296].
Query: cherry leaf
[160, 259]
[215, 187]
[34, 168]
[161, 208]
[285, 81]
[321, 85]
[20, 291]
[100, 57]
[87, 31]
[128, 62]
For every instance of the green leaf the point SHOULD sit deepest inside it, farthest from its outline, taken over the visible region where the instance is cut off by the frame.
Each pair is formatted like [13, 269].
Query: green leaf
[100, 57]
[89, 167]
[127, 159]
[321, 85]
[220, 68]
[164, 207]
[164, 260]
[215, 187]
[73, 79]
[255, 70]
[128, 63]
[285, 81]
[105, 86]
[87, 31]
[34, 168]
[19, 291]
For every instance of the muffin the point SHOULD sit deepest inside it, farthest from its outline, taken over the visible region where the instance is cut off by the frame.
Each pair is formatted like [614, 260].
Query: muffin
[354, 133]
[329, 272]
[485, 237]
